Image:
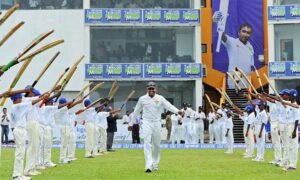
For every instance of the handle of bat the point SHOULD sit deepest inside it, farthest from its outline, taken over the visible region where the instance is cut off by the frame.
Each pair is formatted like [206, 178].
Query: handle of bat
[219, 41]
[56, 99]
[9, 65]
[122, 106]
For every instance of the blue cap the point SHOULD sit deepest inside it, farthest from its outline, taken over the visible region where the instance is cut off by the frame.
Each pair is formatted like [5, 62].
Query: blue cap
[50, 100]
[87, 102]
[249, 108]
[261, 103]
[284, 91]
[28, 86]
[36, 92]
[293, 92]
[62, 101]
[228, 111]
[15, 97]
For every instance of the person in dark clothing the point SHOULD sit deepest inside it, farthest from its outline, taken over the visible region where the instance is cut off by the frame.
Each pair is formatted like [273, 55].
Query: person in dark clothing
[111, 129]
[136, 130]
[4, 126]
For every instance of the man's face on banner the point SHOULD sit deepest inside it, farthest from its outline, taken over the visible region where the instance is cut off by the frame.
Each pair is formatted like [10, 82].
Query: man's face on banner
[245, 34]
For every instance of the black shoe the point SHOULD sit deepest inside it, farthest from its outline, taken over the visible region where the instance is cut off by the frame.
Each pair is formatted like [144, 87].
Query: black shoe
[148, 171]
[111, 150]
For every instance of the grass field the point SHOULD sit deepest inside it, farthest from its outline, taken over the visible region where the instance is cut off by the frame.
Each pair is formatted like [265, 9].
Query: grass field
[175, 164]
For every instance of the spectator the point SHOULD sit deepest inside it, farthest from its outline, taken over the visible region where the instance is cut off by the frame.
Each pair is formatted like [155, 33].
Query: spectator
[125, 118]
[4, 125]
[136, 129]
[119, 4]
[168, 125]
[111, 129]
[132, 4]
[120, 51]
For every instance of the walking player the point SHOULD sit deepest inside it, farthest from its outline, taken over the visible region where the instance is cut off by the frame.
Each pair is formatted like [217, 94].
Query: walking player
[152, 106]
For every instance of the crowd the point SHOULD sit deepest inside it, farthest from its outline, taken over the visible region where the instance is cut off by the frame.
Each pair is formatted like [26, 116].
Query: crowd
[42, 4]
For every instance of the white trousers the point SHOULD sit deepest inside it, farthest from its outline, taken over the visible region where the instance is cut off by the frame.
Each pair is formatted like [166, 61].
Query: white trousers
[199, 131]
[19, 136]
[41, 145]
[276, 140]
[175, 134]
[90, 138]
[211, 132]
[249, 141]
[218, 133]
[152, 139]
[32, 128]
[222, 133]
[48, 136]
[284, 140]
[188, 132]
[260, 142]
[292, 146]
[103, 139]
[72, 144]
[0, 143]
[65, 140]
[230, 140]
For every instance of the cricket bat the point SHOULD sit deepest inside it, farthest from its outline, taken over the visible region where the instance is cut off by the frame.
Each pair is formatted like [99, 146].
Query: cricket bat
[222, 24]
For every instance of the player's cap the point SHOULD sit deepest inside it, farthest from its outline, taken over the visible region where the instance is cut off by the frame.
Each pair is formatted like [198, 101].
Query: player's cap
[151, 84]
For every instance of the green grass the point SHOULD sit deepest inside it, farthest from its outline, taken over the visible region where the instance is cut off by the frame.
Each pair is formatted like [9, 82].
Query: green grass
[175, 164]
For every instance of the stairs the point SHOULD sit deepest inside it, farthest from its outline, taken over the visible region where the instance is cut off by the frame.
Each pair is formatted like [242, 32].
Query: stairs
[240, 101]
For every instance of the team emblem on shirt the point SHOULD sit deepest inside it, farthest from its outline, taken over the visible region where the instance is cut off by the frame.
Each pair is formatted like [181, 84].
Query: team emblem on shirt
[156, 101]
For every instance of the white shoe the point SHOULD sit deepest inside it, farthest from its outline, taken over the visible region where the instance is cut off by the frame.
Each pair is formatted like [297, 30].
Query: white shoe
[32, 173]
[72, 159]
[228, 152]
[248, 156]
[64, 161]
[21, 178]
[40, 167]
[260, 160]
[255, 159]
[50, 164]
[272, 162]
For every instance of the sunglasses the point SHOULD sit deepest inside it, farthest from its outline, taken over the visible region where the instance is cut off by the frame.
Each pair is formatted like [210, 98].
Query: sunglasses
[151, 88]
[248, 32]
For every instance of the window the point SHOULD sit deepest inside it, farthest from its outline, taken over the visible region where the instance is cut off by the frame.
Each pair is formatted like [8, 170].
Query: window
[285, 2]
[140, 4]
[141, 45]
[286, 38]
[43, 4]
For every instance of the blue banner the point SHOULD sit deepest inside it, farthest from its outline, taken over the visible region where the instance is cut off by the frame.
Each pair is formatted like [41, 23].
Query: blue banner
[139, 71]
[141, 16]
[276, 13]
[284, 69]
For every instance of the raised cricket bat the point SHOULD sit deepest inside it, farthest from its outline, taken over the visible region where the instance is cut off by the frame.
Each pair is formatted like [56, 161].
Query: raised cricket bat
[222, 24]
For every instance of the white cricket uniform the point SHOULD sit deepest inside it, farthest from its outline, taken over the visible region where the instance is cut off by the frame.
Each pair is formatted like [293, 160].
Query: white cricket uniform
[187, 122]
[211, 127]
[240, 55]
[33, 133]
[175, 130]
[151, 108]
[292, 115]
[90, 117]
[283, 125]
[199, 126]
[221, 130]
[125, 119]
[275, 133]
[102, 124]
[229, 138]
[18, 121]
[261, 118]
[249, 140]
[49, 122]
[63, 120]
[72, 142]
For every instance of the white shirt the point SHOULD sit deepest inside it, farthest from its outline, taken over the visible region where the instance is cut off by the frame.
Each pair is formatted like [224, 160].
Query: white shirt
[90, 115]
[261, 118]
[125, 119]
[281, 112]
[291, 114]
[211, 117]
[199, 117]
[102, 121]
[188, 115]
[239, 54]
[5, 119]
[152, 107]
[34, 113]
[224, 115]
[274, 116]
[18, 114]
[229, 123]
[62, 116]
[175, 118]
[47, 112]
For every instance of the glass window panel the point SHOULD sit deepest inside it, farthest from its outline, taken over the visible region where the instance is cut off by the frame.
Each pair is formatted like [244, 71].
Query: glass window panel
[140, 4]
[287, 39]
[285, 2]
[141, 45]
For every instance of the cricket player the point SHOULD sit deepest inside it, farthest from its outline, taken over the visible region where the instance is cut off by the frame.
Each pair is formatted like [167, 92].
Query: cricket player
[211, 117]
[240, 51]
[102, 124]
[229, 132]
[187, 123]
[248, 117]
[175, 130]
[90, 117]
[259, 124]
[72, 144]
[221, 130]
[152, 105]
[199, 125]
